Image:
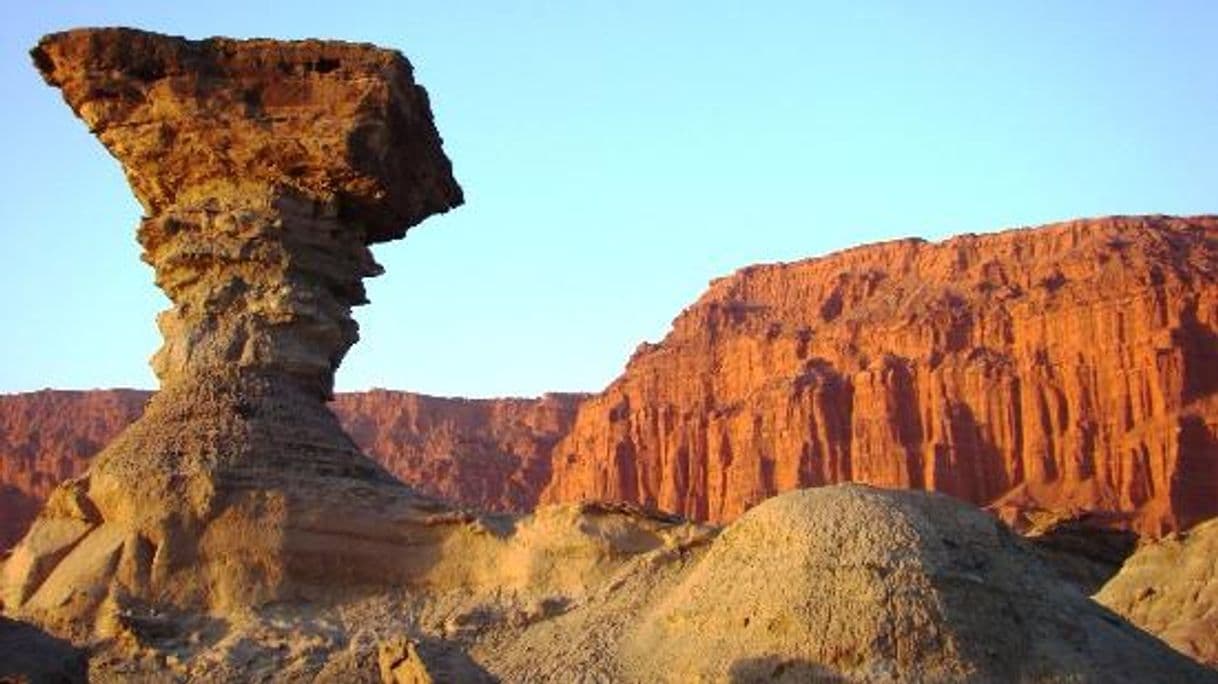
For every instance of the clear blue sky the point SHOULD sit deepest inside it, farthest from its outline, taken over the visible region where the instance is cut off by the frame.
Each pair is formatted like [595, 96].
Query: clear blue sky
[618, 155]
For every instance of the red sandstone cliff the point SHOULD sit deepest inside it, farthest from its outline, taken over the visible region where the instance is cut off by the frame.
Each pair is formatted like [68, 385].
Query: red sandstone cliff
[492, 454]
[1073, 366]
[485, 453]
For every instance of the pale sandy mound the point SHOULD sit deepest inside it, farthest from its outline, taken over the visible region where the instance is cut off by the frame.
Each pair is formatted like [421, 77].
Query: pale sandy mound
[1170, 589]
[874, 585]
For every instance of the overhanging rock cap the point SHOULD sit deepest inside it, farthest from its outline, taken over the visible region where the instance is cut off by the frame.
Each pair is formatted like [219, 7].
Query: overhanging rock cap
[223, 120]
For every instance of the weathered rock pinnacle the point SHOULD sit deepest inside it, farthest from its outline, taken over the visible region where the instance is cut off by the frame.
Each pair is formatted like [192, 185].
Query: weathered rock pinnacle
[266, 170]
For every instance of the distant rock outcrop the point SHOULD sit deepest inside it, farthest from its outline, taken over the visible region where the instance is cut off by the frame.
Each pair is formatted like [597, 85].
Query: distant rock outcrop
[487, 454]
[266, 169]
[1069, 368]
[1066, 370]
[1170, 589]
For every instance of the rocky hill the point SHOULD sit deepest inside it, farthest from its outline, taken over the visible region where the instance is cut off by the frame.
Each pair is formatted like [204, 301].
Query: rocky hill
[491, 454]
[1070, 367]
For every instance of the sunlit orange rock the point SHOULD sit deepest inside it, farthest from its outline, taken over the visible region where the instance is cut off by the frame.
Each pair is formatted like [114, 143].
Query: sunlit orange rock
[1070, 367]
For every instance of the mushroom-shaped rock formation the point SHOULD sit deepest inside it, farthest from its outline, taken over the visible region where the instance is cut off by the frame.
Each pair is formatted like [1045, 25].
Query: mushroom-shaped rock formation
[266, 170]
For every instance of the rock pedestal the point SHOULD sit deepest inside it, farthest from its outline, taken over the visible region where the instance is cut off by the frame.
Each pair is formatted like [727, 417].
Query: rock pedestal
[266, 169]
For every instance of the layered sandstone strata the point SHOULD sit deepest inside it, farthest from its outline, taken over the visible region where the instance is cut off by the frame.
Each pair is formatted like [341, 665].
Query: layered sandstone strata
[267, 169]
[1072, 367]
[1037, 418]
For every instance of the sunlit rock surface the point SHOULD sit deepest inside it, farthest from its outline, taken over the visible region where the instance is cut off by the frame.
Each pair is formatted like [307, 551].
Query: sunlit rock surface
[1072, 367]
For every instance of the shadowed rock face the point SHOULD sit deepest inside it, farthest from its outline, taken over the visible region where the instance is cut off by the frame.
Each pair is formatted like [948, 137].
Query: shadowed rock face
[266, 169]
[28, 655]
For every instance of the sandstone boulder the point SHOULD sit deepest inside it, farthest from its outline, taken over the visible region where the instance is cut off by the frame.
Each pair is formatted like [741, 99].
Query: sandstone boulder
[402, 661]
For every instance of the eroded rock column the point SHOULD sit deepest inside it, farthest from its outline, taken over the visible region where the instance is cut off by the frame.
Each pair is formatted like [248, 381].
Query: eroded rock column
[266, 287]
[266, 169]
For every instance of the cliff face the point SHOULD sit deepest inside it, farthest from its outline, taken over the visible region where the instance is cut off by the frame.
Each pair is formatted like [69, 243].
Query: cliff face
[45, 436]
[491, 454]
[1073, 366]
[1067, 368]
